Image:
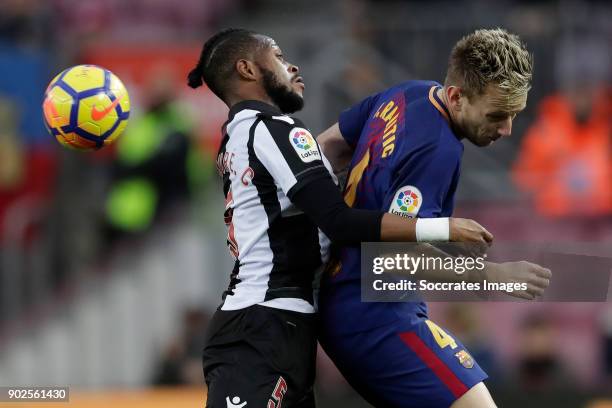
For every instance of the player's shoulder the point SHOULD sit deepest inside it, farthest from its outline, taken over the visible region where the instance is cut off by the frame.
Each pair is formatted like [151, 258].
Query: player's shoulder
[412, 90]
[412, 96]
[284, 131]
[289, 136]
[422, 97]
[282, 126]
[426, 111]
[282, 120]
[428, 123]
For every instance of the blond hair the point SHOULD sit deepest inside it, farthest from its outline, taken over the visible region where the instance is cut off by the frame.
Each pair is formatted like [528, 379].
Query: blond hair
[487, 57]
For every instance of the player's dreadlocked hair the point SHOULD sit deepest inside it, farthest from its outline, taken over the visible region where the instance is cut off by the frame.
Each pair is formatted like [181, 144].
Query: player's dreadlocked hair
[490, 57]
[219, 56]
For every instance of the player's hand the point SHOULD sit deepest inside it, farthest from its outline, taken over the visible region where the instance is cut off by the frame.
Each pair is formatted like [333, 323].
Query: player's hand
[535, 276]
[465, 230]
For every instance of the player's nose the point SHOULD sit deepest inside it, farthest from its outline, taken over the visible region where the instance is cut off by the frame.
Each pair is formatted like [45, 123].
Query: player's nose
[293, 69]
[505, 129]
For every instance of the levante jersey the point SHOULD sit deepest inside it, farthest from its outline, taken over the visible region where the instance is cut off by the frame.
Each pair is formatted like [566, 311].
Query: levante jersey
[406, 161]
[264, 159]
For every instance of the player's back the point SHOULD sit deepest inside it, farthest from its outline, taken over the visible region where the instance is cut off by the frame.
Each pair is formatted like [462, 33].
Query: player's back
[406, 161]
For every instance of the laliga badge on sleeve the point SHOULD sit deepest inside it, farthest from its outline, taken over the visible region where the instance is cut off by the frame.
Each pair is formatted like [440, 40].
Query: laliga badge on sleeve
[406, 202]
[304, 145]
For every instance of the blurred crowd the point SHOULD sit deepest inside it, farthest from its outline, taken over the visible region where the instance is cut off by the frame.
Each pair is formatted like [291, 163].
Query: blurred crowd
[63, 214]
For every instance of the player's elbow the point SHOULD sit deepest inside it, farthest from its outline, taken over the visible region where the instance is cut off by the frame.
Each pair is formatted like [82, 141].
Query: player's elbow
[348, 226]
[341, 239]
[336, 225]
[336, 233]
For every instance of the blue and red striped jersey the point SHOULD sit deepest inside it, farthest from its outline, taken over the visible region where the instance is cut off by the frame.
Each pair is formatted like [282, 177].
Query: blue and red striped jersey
[406, 161]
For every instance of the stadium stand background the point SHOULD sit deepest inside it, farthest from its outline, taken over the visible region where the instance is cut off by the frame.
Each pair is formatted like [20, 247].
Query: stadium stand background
[93, 302]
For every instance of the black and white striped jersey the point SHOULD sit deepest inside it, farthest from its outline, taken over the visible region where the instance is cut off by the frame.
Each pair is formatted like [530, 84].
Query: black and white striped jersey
[265, 157]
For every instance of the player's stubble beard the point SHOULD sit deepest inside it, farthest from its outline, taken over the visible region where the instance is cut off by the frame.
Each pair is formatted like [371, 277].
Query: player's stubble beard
[472, 131]
[287, 100]
[478, 137]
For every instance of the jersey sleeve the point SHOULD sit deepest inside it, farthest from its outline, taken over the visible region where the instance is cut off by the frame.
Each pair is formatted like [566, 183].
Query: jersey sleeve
[352, 120]
[425, 182]
[289, 153]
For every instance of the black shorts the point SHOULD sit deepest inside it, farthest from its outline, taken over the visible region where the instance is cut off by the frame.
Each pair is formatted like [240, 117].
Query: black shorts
[262, 356]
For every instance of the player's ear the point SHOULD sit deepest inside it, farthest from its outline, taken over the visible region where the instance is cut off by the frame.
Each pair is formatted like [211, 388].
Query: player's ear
[247, 70]
[453, 96]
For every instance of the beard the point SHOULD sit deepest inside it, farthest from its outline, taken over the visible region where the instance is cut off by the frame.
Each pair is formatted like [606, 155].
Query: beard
[478, 138]
[287, 100]
[473, 133]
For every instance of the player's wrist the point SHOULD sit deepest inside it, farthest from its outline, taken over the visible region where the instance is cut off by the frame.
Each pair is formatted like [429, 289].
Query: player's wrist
[490, 272]
[432, 230]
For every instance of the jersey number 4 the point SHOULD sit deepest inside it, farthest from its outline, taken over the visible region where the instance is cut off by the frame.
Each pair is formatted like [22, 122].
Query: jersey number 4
[442, 338]
[350, 194]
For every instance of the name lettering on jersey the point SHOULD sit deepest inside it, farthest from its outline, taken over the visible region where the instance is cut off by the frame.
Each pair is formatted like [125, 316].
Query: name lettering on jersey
[225, 163]
[229, 207]
[247, 176]
[304, 145]
[389, 113]
[406, 202]
[228, 217]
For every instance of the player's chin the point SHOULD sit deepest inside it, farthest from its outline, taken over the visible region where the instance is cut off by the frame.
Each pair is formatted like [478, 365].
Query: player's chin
[299, 95]
[480, 141]
[491, 140]
[484, 141]
[298, 88]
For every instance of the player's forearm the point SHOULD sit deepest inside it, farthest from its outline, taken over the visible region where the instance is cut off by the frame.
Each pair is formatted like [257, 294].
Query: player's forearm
[321, 200]
[323, 203]
[353, 226]
[394, 228]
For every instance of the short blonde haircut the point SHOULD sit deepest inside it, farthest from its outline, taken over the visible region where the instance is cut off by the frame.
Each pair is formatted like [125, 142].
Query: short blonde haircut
[494, 57]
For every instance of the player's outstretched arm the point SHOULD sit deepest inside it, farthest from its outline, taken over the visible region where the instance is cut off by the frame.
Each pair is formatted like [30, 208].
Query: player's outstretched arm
[308, 184]
[321, 200]
[536, 277]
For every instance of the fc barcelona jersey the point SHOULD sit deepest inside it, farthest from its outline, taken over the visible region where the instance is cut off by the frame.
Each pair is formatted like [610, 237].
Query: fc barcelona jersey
[406, 161]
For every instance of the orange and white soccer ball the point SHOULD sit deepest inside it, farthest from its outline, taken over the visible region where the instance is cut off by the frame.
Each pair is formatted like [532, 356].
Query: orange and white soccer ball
[86, 107]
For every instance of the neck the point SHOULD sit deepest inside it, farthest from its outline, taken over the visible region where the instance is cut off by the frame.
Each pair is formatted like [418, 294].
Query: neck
[444, 98]
[252, 95]
[442, 94]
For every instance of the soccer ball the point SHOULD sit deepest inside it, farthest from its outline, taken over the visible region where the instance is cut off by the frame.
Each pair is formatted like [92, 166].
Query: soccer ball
[86, 107]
